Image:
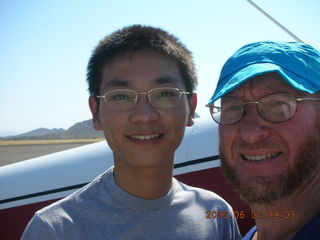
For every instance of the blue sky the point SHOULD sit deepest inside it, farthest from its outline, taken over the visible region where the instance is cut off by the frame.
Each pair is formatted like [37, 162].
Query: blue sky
[45, 46]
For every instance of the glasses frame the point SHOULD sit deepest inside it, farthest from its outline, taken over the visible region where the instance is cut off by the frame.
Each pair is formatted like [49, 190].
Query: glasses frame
[141, 93]
[298, 99]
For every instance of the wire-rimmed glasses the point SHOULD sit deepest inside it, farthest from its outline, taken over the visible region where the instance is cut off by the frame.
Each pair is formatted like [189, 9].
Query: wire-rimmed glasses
[165, 97]
[275, 108]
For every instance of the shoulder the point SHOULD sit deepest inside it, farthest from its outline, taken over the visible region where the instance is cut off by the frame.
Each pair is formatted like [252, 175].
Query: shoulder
[204, 196]
[75, 208]
[200, 192]
[91, 192]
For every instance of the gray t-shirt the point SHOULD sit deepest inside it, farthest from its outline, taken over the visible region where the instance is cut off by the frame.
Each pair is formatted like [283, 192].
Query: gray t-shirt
[103, 210]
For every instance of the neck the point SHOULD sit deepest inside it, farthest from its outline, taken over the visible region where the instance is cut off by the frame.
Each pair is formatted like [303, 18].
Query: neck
[282, 219]
[149, 183]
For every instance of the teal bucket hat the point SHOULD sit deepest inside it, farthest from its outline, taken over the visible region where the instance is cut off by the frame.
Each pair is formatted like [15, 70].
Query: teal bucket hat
[298, 63]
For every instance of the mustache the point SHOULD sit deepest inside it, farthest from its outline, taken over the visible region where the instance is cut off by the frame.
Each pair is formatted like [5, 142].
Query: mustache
[257, 145]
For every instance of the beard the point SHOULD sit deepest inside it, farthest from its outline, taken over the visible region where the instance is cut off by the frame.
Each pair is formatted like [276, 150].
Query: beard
[267, 191]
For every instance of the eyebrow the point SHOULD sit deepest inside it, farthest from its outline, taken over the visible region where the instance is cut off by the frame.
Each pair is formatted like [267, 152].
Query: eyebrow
[167, 79]
[118, 82]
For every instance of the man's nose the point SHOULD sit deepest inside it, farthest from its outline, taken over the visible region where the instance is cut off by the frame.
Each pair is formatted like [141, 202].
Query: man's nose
[144, 111]
[252, 127]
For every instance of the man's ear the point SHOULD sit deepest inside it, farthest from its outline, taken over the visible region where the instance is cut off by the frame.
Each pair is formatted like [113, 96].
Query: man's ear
[192, 106]
[93, 104]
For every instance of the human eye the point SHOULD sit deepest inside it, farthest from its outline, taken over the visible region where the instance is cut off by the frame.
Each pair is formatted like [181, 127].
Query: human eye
[117, 96]
[276, 105]
[231, 111]
[166, 93]
[164, 97]
[232, 107]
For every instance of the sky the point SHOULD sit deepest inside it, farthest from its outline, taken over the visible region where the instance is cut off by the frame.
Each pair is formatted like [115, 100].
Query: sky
[45, 46]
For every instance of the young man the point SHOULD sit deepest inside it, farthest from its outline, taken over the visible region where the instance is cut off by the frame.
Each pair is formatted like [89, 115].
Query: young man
[267, 103]
[141, 82]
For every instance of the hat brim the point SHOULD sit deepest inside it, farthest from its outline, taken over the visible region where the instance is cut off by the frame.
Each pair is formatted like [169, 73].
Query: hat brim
[230, 82]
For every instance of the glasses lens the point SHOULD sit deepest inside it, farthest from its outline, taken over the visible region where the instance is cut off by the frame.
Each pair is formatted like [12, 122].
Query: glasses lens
[278, 107]
[231, 110]
[226, 110]
[164, 97]
[120, 99]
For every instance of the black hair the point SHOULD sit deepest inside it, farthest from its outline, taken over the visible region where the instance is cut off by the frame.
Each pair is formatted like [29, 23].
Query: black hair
[134, 38]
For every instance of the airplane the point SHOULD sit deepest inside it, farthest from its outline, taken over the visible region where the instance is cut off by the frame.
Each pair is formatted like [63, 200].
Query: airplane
[30, 185]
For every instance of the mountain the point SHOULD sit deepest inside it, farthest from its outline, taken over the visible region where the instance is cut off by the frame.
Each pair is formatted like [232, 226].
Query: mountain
[79, 130]
[40, 132]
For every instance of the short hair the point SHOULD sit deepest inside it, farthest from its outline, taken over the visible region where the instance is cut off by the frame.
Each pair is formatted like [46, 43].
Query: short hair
[134, 38]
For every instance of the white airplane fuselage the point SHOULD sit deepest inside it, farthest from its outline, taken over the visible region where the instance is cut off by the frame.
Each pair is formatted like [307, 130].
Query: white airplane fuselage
[32, 184]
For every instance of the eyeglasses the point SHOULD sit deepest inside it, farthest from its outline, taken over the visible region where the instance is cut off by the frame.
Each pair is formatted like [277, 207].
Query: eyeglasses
[165, 97]
[275, 108]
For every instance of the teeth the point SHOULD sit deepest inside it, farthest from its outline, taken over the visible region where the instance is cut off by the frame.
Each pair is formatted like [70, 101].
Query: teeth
[260, 157]
[146, 137]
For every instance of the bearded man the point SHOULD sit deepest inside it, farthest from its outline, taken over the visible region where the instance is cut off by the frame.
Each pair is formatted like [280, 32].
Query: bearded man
[267, 105]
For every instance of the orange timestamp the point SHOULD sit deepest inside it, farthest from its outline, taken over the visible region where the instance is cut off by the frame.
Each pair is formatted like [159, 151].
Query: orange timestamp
[223, 214]
[275, 214]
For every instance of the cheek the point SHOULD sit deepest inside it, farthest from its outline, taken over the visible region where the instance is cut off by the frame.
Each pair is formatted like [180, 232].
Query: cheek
[227, 135]
[177, 125]
[295, 133]
[110, 123]
[225, 146]
[175, 121]
[178, 115]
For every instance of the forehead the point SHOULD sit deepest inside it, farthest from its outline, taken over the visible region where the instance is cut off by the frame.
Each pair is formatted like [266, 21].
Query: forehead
[262, 85]
[140, 69]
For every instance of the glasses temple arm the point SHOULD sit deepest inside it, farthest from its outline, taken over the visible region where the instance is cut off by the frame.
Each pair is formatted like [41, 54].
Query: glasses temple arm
[307, 99]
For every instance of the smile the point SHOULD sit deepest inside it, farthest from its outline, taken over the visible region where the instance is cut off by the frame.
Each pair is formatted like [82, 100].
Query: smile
[145, 137]
[260, 157]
